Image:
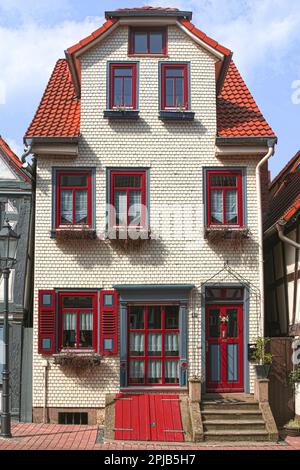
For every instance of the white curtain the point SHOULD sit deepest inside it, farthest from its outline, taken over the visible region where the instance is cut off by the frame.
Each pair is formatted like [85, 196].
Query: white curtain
[137, 342]
[231, 206]
[69, 321]
[217, 206]
[171, 369]
[155, 343]
[121, 207]
[86, 321]
[81, 207]
[135, 207]
[171, 343]
[66, 205]
[136, 369]
[154, 369]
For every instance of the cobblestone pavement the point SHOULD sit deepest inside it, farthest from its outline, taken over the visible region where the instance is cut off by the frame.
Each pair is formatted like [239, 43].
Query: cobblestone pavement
[28, 436]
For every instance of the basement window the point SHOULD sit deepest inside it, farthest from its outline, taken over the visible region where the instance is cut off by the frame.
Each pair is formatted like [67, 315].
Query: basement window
[73, 418]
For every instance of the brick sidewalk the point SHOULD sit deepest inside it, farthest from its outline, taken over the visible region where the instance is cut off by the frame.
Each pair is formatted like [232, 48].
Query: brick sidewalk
[28, 436]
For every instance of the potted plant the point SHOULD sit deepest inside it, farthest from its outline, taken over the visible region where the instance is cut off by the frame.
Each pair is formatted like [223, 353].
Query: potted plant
[295, 379]
[262, 358]
[292, 428]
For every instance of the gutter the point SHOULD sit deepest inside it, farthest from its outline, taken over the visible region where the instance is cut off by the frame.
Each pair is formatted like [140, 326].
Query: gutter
[280, 229]
[271, 151]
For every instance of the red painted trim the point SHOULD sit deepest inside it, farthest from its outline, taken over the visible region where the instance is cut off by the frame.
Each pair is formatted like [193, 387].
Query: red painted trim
[147, 30]
[60, 188]
[146, 358]
[128, 189]
[109, 321]
[164, 67]
[62, 309]
[46, 322]
[112, 69]
[224, 385]
[238, 188]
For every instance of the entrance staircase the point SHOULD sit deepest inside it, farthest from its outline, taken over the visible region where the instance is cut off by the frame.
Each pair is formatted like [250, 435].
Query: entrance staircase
[233, 418]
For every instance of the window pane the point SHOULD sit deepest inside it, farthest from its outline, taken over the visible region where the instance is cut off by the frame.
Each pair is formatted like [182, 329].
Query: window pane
[216, 207]
[123, 72]
[136, 318]
[73, 180]
[213, 293]
[172, 317]
[136, 371]
[179, 92]
[66, 207]
[154, 344]
[140, 42]
[77, 301]
[231, 207]
[223, 180]
[118, 92]
[172, 344]
[81, 200]
[171, 372]
[154, 372]
[214, 323]
[128, 181]
[236, 294]
[232, 325]
[135, 207]
[137, 344]
[170, 92]
[121, 207]
[174, 72]
[86, 330]
[154, 318]
[69, 329]
[128, 101]
[156, 42]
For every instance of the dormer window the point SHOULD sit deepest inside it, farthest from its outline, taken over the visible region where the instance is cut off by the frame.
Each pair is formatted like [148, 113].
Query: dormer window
[148, 41]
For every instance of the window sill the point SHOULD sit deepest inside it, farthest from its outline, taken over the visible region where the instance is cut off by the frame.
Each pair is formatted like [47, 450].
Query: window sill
[176, 115]
[121, 114]
[74, 233]
[226, 232]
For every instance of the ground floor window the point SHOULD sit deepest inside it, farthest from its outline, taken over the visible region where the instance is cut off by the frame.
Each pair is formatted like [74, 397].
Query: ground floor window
[153, 345]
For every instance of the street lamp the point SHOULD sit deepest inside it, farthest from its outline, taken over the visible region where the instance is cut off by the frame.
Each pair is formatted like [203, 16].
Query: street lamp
[8, 249]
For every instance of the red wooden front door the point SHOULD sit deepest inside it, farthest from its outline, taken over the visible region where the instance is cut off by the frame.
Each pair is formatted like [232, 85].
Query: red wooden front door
[148, 418]
[224, 348]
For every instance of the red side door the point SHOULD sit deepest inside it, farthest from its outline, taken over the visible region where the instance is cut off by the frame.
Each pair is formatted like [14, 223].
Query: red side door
[224, 348]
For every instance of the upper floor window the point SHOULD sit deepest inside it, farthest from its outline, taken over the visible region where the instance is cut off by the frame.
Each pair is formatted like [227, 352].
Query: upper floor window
[224, 197]
[123, 85]
[174, 86]
[148, 41]
[73, 198]
[128, 198]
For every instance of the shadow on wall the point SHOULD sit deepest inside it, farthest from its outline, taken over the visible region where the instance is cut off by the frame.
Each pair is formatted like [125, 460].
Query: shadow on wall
[239, 252]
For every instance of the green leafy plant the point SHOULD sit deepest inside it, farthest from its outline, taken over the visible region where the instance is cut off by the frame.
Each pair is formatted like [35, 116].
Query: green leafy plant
[260, 355]
[293, 423]
[294, 376]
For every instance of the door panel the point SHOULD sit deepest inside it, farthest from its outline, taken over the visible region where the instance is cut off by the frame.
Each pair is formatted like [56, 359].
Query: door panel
[224, 348]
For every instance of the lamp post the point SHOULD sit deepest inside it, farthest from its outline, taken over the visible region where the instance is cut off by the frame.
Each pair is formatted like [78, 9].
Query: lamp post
[8, 249]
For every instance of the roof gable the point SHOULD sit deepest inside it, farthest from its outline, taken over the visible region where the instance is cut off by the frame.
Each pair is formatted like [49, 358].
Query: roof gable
[11, 168]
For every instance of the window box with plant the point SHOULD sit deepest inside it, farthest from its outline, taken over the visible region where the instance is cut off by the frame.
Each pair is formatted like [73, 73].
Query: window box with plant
[292, 428]
[262, 358]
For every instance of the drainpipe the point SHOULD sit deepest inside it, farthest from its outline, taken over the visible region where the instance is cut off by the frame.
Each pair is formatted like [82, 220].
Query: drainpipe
[271, 151]
[28, 151]
[280, 229]
[45, 411]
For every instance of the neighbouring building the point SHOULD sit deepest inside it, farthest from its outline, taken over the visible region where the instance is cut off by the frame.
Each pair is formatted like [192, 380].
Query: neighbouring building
[147, 233]
[16, 206]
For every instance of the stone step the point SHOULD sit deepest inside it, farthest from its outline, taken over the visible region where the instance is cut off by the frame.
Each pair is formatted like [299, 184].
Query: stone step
[232, 436]
[233, 425]
[212, 405]
[220, 414]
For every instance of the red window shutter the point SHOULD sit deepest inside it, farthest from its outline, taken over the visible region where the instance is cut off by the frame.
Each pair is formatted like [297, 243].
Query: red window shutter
[47, 322]
[109, 322]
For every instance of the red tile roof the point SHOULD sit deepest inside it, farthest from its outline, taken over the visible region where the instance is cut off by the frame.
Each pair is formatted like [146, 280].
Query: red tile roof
[58, 114]
[12, 159]
[238, 113]
[285, 193]
[209, 41]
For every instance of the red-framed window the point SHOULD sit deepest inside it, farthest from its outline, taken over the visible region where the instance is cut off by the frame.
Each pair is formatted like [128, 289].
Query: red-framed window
[123, 85]
[174, 86]
[78, 320]
[73, 198]
[224, 198]
[148, 41]
[128, 198]
[153, 345]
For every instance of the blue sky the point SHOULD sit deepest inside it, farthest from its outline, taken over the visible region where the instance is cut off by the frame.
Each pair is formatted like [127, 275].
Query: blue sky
[264, 35]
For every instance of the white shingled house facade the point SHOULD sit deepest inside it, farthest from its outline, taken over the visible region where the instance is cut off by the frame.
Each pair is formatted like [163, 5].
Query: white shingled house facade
[147, 243]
